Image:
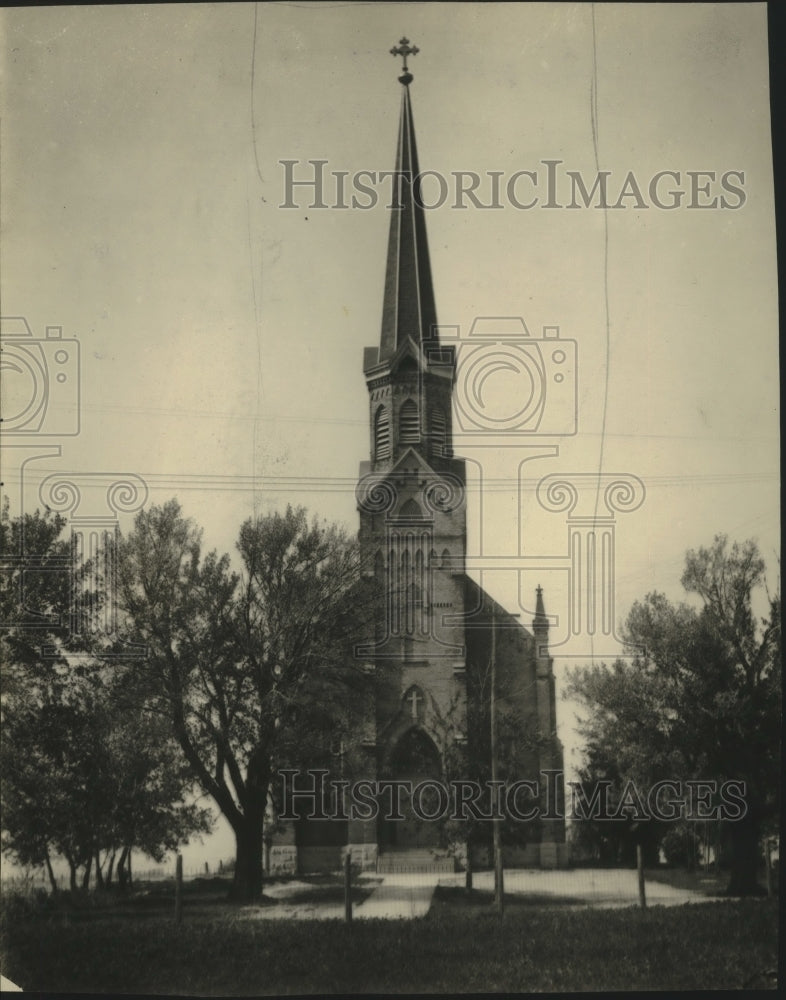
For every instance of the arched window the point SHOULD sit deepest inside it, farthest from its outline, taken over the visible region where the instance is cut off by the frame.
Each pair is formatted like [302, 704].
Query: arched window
[439, 430]
[408, 423]
[381, 434]
[445, 559]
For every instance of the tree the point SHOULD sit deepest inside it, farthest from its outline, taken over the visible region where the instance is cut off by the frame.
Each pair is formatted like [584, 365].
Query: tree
[726, 579]
[701, 699]
[35, 611]
[86, 770]
[252, 669]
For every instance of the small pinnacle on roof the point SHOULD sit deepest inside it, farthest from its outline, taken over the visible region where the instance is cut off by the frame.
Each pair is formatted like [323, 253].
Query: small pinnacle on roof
[404, 49]
[540, 620]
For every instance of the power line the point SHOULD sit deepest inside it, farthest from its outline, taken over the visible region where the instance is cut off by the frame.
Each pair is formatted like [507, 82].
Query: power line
[217, 482]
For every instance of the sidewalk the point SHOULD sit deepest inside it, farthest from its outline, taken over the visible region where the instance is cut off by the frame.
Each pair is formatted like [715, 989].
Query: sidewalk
[397, 897]
[408, 896]
[400, 897]
[598, 887]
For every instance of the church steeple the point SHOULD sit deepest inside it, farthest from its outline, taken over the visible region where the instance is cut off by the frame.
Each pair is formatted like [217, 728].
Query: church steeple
[408, 307]
[409, 376]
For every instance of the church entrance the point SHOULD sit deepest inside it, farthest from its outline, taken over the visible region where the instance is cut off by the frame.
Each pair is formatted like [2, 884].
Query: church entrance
[414, 759]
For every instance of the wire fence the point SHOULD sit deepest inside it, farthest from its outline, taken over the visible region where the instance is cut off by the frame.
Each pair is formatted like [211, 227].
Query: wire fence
[33, 881]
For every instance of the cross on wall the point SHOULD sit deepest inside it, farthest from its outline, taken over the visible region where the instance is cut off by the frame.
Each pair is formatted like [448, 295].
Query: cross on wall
[414, 698]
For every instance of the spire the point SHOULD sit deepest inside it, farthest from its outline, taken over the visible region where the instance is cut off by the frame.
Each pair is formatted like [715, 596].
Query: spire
[408, 307]
[540, 629]
[540, 622]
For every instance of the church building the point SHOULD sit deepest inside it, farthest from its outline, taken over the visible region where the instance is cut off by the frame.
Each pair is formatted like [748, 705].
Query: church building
[441, 643]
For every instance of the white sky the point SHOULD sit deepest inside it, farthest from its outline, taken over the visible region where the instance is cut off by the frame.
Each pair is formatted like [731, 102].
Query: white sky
[221, 336]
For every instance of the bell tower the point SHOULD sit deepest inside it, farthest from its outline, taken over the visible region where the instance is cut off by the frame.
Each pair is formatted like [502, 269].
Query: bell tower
[436, 629]
[411, 494]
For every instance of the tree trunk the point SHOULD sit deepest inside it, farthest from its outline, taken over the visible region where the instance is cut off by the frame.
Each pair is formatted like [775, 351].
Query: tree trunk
[249, 831]
[86, 876]
[122, 874]
[71, 872]
[247, 882]
[51, 874]
[110, 868]
[744, 837]
[99, 873]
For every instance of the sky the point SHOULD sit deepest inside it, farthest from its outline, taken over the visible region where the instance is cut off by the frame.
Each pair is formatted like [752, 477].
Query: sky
[221, 335]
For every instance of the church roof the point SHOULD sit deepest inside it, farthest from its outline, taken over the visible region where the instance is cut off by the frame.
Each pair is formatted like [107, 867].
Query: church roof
[408, 307]
[480, 604]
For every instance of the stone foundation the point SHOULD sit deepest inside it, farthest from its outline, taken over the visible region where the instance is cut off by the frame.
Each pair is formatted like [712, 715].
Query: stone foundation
[283, 860]
[286, 859]
[364, 855]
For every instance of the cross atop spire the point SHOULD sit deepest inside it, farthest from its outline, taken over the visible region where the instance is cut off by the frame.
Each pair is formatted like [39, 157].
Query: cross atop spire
[404, 49]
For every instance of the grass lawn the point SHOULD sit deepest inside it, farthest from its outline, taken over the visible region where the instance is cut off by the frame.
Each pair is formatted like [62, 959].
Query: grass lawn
[461, 946]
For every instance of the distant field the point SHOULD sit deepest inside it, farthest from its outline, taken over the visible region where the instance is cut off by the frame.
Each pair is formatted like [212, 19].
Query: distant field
[461, 946]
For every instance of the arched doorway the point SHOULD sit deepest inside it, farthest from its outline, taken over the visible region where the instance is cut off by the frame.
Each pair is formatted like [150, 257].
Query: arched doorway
[413, 759]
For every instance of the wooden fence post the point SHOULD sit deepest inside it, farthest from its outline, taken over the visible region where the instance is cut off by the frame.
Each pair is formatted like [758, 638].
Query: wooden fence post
[499, 881]
[640, 868]
[179, 889]
[348, 887]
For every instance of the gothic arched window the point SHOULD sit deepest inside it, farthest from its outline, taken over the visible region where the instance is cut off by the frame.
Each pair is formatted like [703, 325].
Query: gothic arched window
[408, 423]
[381, 434]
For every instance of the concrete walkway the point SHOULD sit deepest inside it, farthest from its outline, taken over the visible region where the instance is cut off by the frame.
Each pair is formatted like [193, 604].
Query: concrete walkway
[399, 897]
[396, 897]
[407, 896]
[597, 887]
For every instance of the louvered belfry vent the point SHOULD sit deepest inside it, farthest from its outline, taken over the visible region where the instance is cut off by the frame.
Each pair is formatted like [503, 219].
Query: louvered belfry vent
[409, 424]
[438, 430]
[381, 434]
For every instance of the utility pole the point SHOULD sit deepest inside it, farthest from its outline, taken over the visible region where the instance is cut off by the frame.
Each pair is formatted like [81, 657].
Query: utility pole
[499, 889]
